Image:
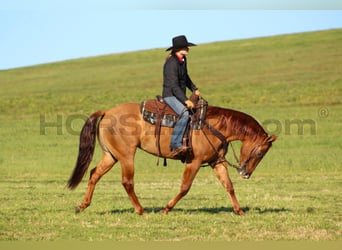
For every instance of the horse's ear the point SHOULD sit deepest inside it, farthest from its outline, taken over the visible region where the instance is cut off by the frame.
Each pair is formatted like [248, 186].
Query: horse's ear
[272, 138]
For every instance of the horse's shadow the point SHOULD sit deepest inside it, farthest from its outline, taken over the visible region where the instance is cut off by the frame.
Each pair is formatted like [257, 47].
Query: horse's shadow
[211, 210]
[271, 210]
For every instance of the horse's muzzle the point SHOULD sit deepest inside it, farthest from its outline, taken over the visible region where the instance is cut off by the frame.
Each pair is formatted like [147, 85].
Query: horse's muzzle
[243, 172]
[245, 176]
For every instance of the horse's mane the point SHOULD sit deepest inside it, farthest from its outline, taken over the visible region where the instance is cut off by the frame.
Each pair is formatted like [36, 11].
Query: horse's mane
[240, 122]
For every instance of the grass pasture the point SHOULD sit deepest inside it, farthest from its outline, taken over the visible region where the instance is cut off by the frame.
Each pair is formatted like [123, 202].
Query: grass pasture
[292, 84]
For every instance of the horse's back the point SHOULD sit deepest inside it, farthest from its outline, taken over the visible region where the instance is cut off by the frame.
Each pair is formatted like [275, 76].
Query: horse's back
[121, 125]
[124, 108]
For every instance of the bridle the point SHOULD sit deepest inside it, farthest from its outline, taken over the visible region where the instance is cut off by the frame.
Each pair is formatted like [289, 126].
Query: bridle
[225, 146]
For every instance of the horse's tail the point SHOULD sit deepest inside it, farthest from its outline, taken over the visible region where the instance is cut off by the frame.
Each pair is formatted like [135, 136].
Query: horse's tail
[86, 149]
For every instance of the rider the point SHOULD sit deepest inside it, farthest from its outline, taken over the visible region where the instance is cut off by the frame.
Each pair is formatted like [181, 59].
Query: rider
[176, 80]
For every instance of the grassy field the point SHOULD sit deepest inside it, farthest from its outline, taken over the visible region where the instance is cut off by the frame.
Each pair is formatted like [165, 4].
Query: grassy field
[292, 84]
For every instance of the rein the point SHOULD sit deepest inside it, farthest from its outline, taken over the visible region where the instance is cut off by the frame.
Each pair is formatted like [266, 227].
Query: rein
[225, 146]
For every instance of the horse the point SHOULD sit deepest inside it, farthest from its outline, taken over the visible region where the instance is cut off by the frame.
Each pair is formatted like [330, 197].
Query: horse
[121, 130]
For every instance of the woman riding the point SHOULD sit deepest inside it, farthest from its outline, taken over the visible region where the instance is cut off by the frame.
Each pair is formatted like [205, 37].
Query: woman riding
[175, 82]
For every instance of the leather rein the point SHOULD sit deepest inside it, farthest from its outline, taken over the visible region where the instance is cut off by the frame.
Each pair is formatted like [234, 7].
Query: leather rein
[224, 146]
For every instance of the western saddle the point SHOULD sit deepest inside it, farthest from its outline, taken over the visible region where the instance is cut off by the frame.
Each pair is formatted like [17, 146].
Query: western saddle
[160, 114]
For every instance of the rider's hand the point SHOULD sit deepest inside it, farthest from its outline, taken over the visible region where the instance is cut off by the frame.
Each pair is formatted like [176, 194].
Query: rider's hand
[197, 92]
[189, 104]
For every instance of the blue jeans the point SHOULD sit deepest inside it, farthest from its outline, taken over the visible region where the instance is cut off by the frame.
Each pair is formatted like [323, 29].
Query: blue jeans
[179, 129]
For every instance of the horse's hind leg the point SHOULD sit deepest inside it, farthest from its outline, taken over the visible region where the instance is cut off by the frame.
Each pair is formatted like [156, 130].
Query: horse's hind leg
[127, 167]
[222, 174]
[96, 173]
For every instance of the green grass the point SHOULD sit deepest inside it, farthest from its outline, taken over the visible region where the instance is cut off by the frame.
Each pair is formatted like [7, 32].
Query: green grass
[295, 193]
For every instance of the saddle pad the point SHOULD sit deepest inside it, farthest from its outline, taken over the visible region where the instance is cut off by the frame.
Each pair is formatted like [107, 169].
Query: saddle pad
[152, 110]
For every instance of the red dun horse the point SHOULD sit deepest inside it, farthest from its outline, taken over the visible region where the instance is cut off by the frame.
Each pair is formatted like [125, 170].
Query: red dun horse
[121, 130]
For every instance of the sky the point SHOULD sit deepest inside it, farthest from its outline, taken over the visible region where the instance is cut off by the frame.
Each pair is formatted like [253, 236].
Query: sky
[40, 31]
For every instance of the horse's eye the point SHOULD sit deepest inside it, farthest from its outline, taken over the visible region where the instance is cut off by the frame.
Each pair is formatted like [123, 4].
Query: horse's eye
[260, 154]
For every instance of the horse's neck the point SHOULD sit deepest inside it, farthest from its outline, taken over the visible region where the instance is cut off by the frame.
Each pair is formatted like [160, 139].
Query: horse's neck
[234, 135]
[235, 125]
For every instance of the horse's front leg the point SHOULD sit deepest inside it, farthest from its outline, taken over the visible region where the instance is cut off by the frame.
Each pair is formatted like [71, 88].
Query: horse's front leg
[222, 174]
[189, 174]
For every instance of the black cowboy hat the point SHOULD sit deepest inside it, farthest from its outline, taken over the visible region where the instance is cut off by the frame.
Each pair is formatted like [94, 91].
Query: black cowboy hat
[180, 42]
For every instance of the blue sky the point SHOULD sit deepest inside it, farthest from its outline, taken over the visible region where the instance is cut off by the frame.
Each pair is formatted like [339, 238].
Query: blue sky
[39, 31]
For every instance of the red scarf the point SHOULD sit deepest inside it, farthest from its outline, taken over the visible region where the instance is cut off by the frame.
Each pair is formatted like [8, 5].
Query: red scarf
[180, 58]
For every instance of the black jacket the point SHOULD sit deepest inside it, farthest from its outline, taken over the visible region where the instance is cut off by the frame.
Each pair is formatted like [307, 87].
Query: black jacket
[176, 79]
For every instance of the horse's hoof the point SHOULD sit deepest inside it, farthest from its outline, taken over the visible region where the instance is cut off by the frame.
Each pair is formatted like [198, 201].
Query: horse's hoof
[164, 211]
[78, 210]
[140, 212]
[240, 212]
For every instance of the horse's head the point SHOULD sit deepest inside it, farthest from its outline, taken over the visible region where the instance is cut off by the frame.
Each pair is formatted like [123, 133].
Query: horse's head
[252, 153]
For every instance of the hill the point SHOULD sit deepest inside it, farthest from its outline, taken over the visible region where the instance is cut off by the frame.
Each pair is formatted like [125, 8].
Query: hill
[287, 70]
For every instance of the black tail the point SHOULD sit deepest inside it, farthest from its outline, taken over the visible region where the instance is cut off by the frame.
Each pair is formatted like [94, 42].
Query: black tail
[86, 149]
